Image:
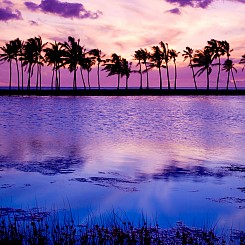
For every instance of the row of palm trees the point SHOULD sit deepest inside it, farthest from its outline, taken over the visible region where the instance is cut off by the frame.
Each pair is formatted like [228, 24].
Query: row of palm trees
[33, 54]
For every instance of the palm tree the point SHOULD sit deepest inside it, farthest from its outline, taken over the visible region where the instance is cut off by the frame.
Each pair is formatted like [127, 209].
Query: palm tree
[138, 56]
[173, 54]
[97, 54]
[55, 56]
[72, 57]
[188, 54]
[242, 61]
[145, 57]
[87, 65]
[8, 56]
[114, 67]
[166, 58]
[156, 59]
[32, 55]
[218, 50]
[228, 66]
[203, 60]
[126, 70]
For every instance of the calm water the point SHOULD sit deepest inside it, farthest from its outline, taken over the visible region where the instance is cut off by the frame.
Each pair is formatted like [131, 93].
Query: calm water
[171, 158]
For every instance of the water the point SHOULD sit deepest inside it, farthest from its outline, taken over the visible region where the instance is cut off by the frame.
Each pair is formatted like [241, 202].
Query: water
[169, 158]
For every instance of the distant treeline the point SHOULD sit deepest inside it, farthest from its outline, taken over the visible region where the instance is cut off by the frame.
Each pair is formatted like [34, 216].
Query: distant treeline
[32, 54]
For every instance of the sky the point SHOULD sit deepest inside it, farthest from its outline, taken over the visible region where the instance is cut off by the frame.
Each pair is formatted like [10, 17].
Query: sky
[124, 26]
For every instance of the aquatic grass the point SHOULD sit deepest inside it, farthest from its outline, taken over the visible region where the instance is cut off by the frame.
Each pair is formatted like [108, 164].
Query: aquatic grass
[57, 228]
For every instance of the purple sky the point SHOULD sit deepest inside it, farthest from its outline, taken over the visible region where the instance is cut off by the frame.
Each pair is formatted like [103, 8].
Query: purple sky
[123, 26]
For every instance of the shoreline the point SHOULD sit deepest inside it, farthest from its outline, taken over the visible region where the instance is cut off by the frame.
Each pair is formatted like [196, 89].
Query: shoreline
[122, 92]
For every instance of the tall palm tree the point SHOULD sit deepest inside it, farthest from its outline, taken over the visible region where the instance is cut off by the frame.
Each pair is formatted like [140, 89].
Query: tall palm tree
[228, 66]
[81, 62]
[8, 56]
[126, 70]
[72, 57]
[188, 54]
[54, 55]
[166, 58]
[156, 59]
[242, 61]
[218, 50]
[203, 60]
[138, 56]
[114, 67]
[145, 57]
[173, 54]
[97, 54]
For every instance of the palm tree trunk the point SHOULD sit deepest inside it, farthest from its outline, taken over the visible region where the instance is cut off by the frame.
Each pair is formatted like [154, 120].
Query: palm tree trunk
[22, 75]
[10, 74]
[56, 79]
[88, 80]
[147, 76]
[37, 77]
[98, 74]
[193, 74]
[126, 82]
[175, 75]
[217, 87]
[169, 86]
[59, 79]
[52, 82]
[18, 74]
[75, 80]
[207, 80]
[160, 77]
[141, 77]
[118, 81]
[40, 77]
[29, 77]
[228, 80]
[82, 78]
[233, 79]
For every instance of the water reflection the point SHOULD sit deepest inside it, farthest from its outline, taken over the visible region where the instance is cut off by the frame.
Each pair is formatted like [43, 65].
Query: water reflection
[179, 157]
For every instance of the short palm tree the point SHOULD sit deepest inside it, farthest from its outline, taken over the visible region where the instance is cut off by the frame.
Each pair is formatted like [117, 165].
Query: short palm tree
[97, 54]
[54, 56]
[242, 61]
[188, 54]
[173, 54]
[114, 67]
[126, 70]
[156, 59]
[72, 57]
[138, 56]
[203, 59]
[8, 56]
[228, 66]
[87, 65]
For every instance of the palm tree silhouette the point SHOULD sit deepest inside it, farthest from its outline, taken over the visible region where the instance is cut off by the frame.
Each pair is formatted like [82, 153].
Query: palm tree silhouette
[55, 56]
[166, 58]
[72, 57]
[173, 54]
[114, 67]
[7, 56]
[203, 59]
[87, 65]
[138, 56]
[188, 54]
[218, 50]
[228, 66]
[145, 57]
[126, 70]
[156, 59]
[242, 61]
[97, 54]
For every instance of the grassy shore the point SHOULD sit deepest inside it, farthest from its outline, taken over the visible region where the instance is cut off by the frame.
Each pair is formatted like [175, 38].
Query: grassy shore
[121, 92]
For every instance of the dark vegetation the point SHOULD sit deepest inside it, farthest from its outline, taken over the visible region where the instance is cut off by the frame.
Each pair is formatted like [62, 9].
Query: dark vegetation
[38, 227]
[30, 56]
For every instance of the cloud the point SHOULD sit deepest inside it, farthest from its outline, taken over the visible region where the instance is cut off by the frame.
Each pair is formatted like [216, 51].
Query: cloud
[192, 3]
[64, 9]
[8, 14]
[174, 11]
